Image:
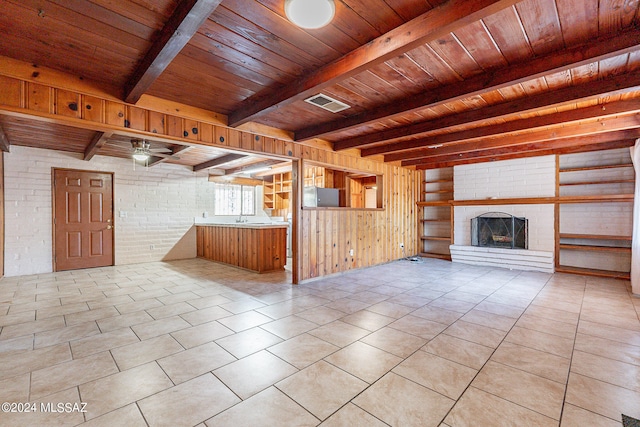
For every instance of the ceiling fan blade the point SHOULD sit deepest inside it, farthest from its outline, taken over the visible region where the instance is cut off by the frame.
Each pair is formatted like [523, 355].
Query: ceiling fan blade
[160, 150]
[166, 156]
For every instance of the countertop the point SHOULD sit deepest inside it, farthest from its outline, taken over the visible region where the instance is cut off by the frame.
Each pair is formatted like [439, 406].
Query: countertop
[275, 224]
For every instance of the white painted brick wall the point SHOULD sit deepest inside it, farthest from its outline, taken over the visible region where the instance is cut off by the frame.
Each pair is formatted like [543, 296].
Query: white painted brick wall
[528, 177]
[597, 260]
[594, 218]
[598, 158]
[160, 204]
[589, 218]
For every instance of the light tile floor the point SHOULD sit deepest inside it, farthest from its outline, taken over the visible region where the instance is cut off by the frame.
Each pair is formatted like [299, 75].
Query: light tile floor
[426, 343]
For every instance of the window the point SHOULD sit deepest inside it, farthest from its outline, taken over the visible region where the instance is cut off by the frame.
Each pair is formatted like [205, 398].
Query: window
[231, 199]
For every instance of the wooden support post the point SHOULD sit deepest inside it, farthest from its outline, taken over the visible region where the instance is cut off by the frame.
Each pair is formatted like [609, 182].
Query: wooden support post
[297, 179]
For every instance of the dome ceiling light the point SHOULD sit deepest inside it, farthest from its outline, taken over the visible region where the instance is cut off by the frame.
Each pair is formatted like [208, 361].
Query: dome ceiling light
[310, 14]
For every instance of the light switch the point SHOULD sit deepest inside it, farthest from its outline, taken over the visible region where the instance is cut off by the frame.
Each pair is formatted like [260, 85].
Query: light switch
[123, 214]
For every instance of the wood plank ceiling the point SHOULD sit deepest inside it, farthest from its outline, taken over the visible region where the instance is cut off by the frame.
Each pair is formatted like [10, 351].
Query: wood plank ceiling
[429, 83]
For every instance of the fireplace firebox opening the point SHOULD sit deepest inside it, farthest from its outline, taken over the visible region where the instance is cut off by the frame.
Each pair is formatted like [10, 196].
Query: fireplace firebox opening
[499, 230]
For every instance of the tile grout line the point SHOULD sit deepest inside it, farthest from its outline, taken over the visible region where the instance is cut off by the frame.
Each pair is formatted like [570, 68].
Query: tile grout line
[495, 349]
[573, 349]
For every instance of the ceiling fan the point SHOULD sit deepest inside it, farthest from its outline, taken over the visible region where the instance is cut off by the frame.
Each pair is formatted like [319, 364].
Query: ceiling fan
[142, 150]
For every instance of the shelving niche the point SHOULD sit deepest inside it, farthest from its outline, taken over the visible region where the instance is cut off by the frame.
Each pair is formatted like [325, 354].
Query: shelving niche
[277, 193]
[435, 213]
[595, 213]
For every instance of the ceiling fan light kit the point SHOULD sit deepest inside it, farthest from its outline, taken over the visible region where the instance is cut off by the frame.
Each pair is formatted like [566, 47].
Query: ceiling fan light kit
[310, 14]
[140, 155]
[141, 149]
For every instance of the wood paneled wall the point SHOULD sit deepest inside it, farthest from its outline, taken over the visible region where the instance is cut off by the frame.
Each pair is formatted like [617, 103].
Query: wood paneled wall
[327, 235]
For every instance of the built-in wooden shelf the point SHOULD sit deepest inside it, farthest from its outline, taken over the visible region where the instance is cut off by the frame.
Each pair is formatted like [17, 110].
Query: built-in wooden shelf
[613, 181]
[438, 192]
[595, 248]
[435, 203]
[596, 198]
[582, 244]
[533, 200]
[594, 237]
[435, 255]
[434, 213]
[276, 193]
[590, 168]
[439, 238]
[593, 272]
[435, 181]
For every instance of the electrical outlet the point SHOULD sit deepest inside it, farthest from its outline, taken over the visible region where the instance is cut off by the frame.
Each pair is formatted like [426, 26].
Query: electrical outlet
[401, 245]
[350, 252]
[152, 247]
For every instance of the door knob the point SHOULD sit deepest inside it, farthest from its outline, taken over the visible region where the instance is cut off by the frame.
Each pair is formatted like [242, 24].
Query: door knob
[109, 227]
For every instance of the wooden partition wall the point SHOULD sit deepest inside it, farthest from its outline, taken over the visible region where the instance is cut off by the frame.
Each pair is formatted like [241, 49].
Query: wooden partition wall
[374, 235]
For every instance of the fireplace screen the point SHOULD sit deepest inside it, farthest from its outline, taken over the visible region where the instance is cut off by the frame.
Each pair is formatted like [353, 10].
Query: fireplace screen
[499, 230]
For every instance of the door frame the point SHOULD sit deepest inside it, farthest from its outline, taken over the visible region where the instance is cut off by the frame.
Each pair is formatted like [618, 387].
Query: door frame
[53, 213]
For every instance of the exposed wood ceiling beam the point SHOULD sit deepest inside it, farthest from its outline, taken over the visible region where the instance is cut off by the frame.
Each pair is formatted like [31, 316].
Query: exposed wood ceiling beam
[578, 129]
[427, 27]
[570, 145]
[218, 161]
[180, 149]
[253, 166]
[279, 168]
[529, 124]
[98, 140]
[543, 101]
[181, 26]
[237, 180]
[4, 141]
[596, 50]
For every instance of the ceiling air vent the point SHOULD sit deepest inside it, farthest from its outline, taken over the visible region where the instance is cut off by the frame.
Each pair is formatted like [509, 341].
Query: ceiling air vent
[323, 101]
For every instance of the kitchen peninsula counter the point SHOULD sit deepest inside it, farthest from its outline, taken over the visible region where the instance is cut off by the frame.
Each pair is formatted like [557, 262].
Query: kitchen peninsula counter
[260, 247]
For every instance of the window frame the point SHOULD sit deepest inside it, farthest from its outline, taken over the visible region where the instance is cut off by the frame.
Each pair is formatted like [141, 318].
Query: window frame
[229, 209]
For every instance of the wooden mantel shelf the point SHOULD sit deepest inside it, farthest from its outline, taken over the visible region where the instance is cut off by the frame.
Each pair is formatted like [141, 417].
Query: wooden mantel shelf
[507, 201]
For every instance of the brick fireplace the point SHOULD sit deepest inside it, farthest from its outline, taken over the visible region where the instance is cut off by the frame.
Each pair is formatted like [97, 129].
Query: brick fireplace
[481, 187]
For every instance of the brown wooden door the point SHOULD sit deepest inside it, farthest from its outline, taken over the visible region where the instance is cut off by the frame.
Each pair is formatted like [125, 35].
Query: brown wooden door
[83, 219]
